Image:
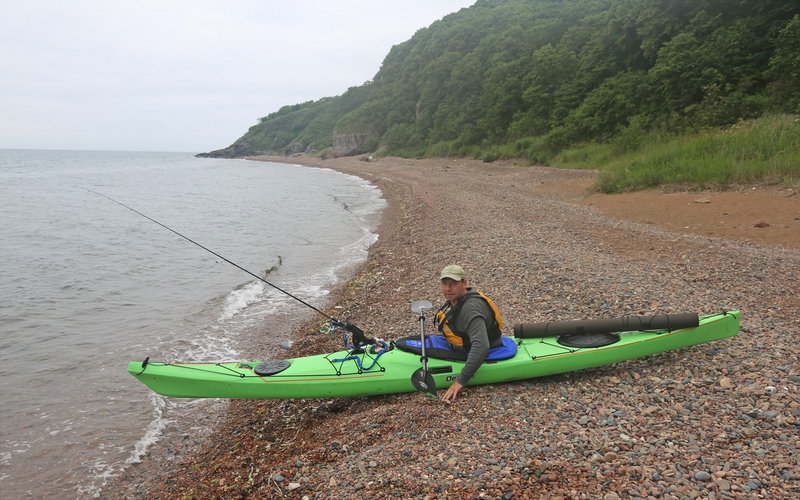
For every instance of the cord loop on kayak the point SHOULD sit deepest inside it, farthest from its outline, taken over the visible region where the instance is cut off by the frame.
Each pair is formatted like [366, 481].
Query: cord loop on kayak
[359, 349]
[354, 356]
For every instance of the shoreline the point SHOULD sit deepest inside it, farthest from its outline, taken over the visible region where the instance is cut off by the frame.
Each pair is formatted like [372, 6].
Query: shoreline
[541, 255]
[765, 214]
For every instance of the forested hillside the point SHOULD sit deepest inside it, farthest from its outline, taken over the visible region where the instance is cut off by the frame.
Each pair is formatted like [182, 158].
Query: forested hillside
[538, 76]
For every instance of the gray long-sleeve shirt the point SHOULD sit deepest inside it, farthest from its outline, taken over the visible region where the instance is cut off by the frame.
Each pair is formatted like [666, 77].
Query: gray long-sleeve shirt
[472, 319]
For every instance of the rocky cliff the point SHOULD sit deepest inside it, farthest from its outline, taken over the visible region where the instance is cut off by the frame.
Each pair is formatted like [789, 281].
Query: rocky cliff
[350, 144]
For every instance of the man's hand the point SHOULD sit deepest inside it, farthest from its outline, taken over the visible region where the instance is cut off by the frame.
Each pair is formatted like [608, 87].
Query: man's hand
[452, 392]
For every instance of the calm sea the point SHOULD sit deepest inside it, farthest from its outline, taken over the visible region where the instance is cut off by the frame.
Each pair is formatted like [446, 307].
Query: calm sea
[88, 286]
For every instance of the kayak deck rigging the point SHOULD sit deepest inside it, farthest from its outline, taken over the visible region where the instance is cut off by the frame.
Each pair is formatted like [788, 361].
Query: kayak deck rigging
[365, 353]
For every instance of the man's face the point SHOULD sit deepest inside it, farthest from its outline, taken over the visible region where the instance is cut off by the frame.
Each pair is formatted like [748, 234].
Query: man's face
[452, 289]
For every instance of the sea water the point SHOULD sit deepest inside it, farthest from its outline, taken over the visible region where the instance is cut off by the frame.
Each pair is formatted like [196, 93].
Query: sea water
[88, 285]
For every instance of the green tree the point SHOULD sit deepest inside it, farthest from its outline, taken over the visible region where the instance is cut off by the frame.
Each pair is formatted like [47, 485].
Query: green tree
[553, 72]
[784, 65]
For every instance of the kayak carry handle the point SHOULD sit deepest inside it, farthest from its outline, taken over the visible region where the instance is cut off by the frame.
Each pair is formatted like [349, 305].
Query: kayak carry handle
[144, 364]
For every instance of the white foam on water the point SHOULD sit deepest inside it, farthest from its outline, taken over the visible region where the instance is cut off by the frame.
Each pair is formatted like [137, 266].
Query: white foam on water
[102, 470]
[239, 299]
[212, 342]
[153, 431]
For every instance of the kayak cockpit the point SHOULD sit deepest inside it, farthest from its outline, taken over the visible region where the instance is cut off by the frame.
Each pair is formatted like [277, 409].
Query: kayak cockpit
[437, 347]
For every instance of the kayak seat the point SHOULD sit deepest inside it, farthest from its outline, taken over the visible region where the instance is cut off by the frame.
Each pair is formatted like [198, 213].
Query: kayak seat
[436, 346]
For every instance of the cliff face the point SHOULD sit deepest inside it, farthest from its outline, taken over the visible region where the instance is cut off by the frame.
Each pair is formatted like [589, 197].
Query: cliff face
[350, 144]
[343, 145]
[236, 150]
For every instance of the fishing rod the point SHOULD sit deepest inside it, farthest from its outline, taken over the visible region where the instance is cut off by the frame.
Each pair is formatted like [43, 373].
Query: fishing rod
[347, 325]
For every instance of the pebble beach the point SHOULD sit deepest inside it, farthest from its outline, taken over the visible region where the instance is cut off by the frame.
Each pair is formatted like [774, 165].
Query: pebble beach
[716, 420]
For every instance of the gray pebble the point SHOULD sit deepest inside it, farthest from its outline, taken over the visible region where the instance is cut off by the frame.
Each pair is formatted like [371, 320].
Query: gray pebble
[702, 476]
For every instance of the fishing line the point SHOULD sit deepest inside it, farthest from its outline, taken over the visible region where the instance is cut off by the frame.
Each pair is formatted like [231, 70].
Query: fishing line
[348, 326]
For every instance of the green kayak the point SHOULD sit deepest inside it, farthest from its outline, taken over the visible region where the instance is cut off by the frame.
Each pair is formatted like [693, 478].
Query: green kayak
[544, 349]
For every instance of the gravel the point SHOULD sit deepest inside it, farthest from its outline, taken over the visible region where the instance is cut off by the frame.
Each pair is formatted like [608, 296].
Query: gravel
[717, 420]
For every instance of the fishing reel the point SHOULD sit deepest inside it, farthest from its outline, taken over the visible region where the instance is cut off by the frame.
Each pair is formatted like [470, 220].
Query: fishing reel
[360, 339]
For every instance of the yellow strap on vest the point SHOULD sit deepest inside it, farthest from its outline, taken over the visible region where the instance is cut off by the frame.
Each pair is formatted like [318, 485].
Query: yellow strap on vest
[495, 310]
[456, 340]
[451, 337]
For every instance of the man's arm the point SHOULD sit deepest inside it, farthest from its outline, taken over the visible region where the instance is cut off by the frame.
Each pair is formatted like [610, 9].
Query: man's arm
[479, 338]
[479, 349]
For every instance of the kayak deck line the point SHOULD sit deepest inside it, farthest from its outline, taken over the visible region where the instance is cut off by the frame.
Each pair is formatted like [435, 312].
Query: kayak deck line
[284, 378]
[351, 356]
[343, 377]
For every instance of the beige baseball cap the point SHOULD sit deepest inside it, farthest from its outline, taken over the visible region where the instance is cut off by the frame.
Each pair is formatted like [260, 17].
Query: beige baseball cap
[453, 272]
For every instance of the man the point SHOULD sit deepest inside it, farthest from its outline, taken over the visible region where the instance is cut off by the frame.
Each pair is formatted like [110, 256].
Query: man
[470, 321]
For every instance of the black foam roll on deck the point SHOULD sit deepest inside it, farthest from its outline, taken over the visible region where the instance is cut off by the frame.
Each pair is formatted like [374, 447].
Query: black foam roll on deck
[667, 322]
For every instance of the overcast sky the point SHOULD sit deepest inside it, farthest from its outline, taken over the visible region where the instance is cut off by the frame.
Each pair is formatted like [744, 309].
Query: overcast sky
[183, 75]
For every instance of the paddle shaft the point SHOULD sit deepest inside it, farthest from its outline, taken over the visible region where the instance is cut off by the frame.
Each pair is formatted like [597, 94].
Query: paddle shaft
[422, 339]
